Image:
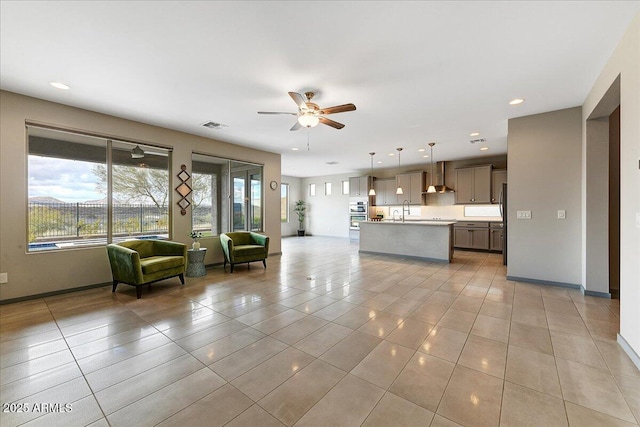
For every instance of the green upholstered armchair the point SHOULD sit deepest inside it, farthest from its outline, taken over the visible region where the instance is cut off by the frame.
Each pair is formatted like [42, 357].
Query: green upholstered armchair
[244, 246]
[141, 262]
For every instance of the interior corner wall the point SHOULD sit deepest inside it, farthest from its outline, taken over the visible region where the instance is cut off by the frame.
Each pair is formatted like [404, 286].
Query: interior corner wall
[327, 215]
[290, 228]
[625, 63]
[544, 175]
[44, 272]
[596, 209]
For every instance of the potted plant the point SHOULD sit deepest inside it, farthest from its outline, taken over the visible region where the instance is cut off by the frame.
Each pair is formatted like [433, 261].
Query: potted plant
[195, 236]
[300, 209]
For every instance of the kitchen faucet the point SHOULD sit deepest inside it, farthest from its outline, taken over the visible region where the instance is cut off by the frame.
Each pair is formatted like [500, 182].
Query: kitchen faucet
[395, 211]
[408, 209]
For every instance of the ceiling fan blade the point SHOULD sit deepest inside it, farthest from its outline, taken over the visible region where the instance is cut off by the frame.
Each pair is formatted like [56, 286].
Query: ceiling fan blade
[298, 99]
[296, 126]
[338, 109]
[330, 122]
[276, 112]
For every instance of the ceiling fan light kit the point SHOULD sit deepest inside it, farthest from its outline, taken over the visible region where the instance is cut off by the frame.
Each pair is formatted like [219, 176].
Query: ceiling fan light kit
[310, 114]
[137, 152]
[308, 119]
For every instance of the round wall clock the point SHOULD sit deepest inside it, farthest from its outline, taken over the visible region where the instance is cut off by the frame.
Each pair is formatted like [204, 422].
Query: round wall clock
[273, 185]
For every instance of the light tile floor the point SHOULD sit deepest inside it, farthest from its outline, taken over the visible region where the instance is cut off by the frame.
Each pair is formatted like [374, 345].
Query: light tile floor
[324, 336]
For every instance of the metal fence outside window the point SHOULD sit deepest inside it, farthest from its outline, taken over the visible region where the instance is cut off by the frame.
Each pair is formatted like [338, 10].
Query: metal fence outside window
[78, 220]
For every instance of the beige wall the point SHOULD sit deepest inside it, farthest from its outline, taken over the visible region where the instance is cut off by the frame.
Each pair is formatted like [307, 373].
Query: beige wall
[624, 62]
[295, 193]
[36, 273]
[327, 215]
[544, 176]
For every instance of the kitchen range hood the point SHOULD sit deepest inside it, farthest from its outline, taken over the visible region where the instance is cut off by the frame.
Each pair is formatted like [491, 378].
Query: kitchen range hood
[439, 179]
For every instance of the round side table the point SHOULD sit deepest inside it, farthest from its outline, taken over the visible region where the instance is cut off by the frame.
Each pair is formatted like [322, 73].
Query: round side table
[195, 265]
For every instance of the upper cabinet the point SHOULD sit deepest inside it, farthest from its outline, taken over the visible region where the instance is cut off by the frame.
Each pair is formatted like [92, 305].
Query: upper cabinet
[473, 185]
[413, 185]
[385, 192]
[359, 186]
[498, 177]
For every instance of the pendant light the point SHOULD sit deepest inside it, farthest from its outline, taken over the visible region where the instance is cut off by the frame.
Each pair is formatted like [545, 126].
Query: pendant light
[399, 189]
[372, 192]
[431, 188]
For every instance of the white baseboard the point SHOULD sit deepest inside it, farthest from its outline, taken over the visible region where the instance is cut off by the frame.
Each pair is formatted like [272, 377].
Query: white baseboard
[629, 350]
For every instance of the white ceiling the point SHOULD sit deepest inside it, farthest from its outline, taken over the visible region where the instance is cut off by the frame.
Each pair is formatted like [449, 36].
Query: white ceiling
[417, 71]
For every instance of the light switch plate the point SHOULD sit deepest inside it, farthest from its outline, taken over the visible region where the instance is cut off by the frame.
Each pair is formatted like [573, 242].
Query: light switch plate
[562, 214]
[523, 214]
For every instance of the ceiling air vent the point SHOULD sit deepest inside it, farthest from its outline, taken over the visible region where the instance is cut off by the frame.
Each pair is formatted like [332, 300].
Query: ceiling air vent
[332, 163]
[214, 125]
[473, 141]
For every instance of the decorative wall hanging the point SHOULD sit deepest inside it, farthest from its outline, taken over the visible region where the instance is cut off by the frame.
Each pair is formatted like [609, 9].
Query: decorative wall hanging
[183, 189]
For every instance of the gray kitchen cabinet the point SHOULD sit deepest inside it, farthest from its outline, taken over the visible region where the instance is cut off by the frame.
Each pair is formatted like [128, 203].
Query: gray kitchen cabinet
[496, 236]
[359, 186]
[471, 235]
[385, 192]
[413, 185]
[498, 177]
[473, 185]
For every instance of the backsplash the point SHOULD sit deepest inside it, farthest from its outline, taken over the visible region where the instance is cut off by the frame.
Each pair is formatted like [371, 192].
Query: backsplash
[456, 212]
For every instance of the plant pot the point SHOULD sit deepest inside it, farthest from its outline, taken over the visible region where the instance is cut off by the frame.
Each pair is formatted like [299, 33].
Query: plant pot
[195, 246]
[300, 233]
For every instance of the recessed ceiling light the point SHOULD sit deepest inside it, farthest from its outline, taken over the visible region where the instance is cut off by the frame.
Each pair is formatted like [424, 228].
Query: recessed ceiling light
[379, 161]
[422, 149]
[392, 154]
[295, 149]
[474, 134]
[484, 148]
[426, 155]
[516, 101]
[59, 85]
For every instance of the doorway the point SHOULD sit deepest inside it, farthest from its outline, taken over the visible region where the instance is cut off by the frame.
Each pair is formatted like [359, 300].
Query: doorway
[614, 203]
[602, 197]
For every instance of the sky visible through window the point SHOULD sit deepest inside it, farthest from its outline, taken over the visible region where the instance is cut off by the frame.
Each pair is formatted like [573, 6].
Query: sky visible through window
[69, 181]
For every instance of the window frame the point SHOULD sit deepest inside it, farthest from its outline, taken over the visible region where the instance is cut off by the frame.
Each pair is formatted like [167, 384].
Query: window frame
[285, 187]
[225, 214]
[111, 144]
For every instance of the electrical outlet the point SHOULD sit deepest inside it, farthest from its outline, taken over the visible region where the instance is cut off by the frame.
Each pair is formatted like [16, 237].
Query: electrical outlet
[523, 214]
[4, 278]
[562, 214]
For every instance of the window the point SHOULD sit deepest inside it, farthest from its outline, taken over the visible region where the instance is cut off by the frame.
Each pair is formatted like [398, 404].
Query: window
[86, 190]
[327, 188]
[227, 195]
[312, 189]
[284, 202]
[345, 187]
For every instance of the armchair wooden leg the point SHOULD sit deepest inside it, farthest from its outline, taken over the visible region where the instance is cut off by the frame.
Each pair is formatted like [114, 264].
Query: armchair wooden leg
[138, 291]
[181, 276]
[231, 267]
[115, 284]
[264, 262]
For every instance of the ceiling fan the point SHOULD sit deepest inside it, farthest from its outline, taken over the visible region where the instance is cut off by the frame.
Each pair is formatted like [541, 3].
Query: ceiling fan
[310, 114]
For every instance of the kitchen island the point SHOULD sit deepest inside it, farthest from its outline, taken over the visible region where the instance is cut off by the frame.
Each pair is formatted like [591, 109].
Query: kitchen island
[428, 240]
